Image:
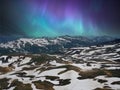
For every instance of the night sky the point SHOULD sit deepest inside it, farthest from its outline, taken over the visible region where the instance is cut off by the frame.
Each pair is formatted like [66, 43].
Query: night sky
[38, 18]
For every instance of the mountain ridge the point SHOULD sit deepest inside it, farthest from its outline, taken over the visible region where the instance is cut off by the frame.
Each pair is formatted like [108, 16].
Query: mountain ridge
[51, 45]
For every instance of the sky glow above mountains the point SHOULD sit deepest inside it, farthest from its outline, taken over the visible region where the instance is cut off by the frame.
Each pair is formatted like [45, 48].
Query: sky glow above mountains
[38, 18]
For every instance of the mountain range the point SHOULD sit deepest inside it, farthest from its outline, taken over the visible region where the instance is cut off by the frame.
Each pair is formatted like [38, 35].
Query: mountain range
[51, 45]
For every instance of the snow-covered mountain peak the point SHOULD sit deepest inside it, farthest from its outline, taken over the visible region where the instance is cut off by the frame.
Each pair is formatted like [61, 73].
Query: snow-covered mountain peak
[57, 44]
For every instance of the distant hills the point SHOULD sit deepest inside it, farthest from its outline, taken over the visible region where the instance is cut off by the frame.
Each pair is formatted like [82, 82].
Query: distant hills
[51, 45]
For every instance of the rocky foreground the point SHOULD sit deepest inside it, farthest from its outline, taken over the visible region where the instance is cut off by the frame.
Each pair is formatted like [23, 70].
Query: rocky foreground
[82, 68]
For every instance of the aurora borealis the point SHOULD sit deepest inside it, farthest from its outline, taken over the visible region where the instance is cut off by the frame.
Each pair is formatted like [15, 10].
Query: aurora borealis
[38, 18]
